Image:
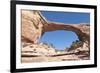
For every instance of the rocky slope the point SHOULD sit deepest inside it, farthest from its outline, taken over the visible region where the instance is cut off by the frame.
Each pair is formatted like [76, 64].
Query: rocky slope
[44, 53]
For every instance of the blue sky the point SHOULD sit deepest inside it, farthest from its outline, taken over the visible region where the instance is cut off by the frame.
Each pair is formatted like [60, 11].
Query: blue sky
[60, 38]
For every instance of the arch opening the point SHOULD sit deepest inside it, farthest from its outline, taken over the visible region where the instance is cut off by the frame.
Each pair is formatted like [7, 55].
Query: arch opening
[59, 39]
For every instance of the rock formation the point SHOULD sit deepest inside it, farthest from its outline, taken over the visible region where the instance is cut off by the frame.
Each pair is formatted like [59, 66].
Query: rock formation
[34, 25]
[37, 49]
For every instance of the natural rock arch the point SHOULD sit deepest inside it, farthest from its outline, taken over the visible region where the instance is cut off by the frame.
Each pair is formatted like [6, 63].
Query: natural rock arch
[34, 25]
[81, 30]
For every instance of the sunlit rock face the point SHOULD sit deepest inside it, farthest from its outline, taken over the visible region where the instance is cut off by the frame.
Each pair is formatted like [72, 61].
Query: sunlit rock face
[32, 26]
[37, 49]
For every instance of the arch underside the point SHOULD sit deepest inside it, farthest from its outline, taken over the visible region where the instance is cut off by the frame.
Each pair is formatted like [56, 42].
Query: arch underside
[76, 28]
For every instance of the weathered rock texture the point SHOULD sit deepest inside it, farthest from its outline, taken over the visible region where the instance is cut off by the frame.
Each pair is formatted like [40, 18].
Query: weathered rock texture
[37, 49]
[32, 26]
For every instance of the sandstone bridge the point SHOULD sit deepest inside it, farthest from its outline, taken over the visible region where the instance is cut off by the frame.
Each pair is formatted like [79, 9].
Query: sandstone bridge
[34, 25]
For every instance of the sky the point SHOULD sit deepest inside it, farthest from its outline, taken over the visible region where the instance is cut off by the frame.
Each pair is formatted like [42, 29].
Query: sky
[62, 39]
